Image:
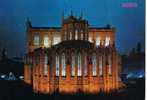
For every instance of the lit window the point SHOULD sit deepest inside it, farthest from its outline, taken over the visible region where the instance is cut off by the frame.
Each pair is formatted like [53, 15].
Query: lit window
[90, 39]
[36, 39]
[56, 40]
[110, 65]
[85, 66]
[73, 65]
[107, 41]
[45, 64]
[46, 41]
[82, 35]
[57, 65]
[94, 64]
[63, 61]
[79, 65]
[98, 41]
[70, 36]
[76, 34]
[86, 36]
[65, 35]
[100, 66]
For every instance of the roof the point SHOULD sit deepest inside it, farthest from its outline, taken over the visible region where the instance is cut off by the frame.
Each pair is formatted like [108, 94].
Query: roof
[74, 44]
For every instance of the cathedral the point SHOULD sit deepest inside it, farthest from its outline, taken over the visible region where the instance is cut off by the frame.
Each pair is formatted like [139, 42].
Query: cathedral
[74, 57]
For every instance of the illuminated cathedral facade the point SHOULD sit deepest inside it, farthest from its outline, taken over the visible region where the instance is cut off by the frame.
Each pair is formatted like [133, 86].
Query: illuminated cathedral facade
[72, 58]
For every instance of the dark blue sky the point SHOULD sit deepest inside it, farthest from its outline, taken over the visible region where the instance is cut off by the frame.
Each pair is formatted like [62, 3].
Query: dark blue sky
[129, 21]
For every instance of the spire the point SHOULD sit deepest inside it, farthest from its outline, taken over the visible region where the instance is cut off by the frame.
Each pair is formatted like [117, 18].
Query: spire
[81, 17]
[71, 13]
[28, 23]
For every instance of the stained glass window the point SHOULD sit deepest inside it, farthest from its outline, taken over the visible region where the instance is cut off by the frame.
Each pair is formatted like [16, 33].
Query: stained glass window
[70, 36]
[73, 65]
[57, 65]
[100, 66]
[85, 66]
[94, 64]
[82, 35]
[65, 36]
[79, 65]
[45, 64]
[76, 34]
[63, 61]
[110, 65]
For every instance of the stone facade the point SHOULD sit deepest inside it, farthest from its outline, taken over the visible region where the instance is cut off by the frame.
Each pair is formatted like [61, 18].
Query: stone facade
[72, 58]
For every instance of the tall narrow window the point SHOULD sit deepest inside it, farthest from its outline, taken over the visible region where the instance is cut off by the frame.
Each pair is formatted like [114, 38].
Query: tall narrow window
[46, 41]
[76, 34]
[57, 65]
[63, 61]
[85, 66]
[110, 65]
[82, 35]
[100, 66]
[70, 35]
[73, 66]
[65, 36]
[107, 41]
[85, 36]
[98, 41]
[79, 65]
[94, 64]
[36, 39]
[45, 64]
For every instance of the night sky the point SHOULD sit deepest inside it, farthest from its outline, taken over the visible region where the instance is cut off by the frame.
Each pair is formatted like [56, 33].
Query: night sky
[129, 20]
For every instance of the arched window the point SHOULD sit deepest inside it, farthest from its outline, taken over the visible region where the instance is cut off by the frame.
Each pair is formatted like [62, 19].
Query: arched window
[98, 39]
[45, 64]
[100, 66]
[57, 65]
[73, 66]
[110, 65]
[46, 41]
[79, 65]
[94, 64]
[76, 34]
[63, 61]
[107, 41]
[85, 66]
[36, 39]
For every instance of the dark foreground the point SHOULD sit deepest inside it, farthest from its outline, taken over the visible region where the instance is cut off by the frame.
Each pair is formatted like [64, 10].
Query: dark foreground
[17, 90]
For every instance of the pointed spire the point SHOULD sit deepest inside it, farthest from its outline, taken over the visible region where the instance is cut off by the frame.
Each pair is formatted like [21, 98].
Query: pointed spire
[71, 13]
[81, 17]
[28, 23]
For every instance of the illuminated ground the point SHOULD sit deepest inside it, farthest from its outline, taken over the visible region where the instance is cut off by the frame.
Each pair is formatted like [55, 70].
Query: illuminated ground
[17, 90]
